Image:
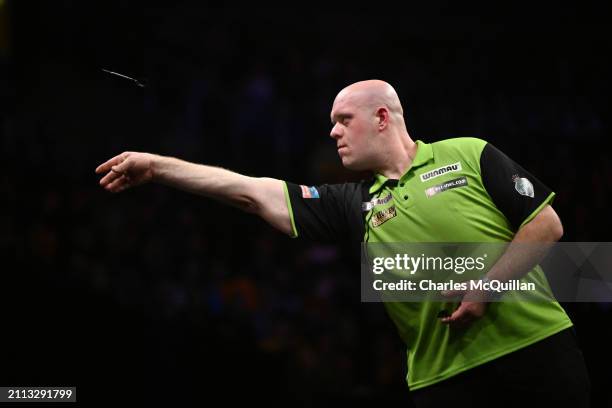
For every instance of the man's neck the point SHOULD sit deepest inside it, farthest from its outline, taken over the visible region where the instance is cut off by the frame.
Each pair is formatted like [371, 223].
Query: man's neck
[399, 157]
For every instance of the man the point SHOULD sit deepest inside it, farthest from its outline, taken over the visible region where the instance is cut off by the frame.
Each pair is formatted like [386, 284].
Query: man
[457, 190]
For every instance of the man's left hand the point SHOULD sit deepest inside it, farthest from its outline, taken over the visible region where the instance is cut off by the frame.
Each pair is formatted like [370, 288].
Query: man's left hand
[472, 307]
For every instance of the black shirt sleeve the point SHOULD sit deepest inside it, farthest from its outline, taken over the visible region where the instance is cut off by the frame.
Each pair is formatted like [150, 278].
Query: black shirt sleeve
[516, 192]
[327, 213]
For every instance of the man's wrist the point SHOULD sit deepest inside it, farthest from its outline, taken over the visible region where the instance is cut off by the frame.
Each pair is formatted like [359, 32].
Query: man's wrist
[486, 287]
[158, 166]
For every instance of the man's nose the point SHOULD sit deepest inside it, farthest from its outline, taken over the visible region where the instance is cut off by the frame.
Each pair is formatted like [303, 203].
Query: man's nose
[335, 132]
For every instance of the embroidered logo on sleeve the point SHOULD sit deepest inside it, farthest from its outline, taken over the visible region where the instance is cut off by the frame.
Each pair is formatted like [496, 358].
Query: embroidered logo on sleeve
[383, 216]
[309, 192]
[432, 174]
[523, 186]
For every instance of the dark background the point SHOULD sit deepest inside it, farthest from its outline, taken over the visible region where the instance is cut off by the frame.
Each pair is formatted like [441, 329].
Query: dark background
[154, 295]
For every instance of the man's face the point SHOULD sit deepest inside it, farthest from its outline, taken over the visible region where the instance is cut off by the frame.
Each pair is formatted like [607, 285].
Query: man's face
[353, 129]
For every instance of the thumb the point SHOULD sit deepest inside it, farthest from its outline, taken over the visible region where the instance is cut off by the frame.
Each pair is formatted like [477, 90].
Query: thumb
[456, 316]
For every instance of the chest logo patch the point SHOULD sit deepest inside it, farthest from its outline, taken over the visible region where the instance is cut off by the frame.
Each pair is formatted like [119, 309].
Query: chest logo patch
[447, 185]
[383, 216]
[368, 205]
[523, 186]
[432, 174]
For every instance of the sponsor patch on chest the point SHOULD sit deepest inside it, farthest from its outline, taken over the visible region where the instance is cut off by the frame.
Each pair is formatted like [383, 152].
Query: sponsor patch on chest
[368, 205]
[432, 174]
[447, 185]
[383, 216]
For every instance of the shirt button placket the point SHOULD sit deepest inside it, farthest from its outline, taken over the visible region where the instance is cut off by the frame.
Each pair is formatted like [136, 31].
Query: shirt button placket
[405, 196]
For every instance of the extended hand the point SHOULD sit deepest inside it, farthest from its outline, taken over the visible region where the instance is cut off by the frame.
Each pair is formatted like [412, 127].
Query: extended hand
[126, 170]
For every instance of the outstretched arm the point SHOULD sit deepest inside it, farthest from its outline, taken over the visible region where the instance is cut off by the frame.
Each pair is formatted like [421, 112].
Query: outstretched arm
[261, 196]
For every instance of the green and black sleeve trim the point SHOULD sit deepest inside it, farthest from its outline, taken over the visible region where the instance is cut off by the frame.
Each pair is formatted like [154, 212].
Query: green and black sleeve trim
[516, 192]
[330, 213]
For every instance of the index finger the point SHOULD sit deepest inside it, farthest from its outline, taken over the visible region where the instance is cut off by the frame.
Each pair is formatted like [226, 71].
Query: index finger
[110, 163]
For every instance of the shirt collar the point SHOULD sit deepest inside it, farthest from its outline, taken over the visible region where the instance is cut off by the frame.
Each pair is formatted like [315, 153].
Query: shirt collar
[424, 154]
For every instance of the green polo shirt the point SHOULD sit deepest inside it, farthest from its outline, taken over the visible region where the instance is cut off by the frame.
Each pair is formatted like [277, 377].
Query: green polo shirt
[456, 190]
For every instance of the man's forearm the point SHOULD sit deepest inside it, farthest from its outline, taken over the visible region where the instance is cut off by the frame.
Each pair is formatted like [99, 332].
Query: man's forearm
[529, 246]
[257, 195]
[262, 196]
[221, 184]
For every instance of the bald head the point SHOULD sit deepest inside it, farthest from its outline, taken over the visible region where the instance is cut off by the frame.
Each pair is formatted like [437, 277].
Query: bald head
[371, 94]
[368, 127]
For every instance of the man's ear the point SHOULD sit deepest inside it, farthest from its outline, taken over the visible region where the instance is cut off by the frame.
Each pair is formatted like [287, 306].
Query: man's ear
[382, 115]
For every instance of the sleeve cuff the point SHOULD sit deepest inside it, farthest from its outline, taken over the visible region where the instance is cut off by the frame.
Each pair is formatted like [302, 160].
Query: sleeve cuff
[294, 233]
[531, 216]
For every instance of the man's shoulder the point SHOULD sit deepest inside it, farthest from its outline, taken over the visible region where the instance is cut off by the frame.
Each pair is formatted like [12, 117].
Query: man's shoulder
[351, 185]
[460, 142]
[459, 147]
[348, 188]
